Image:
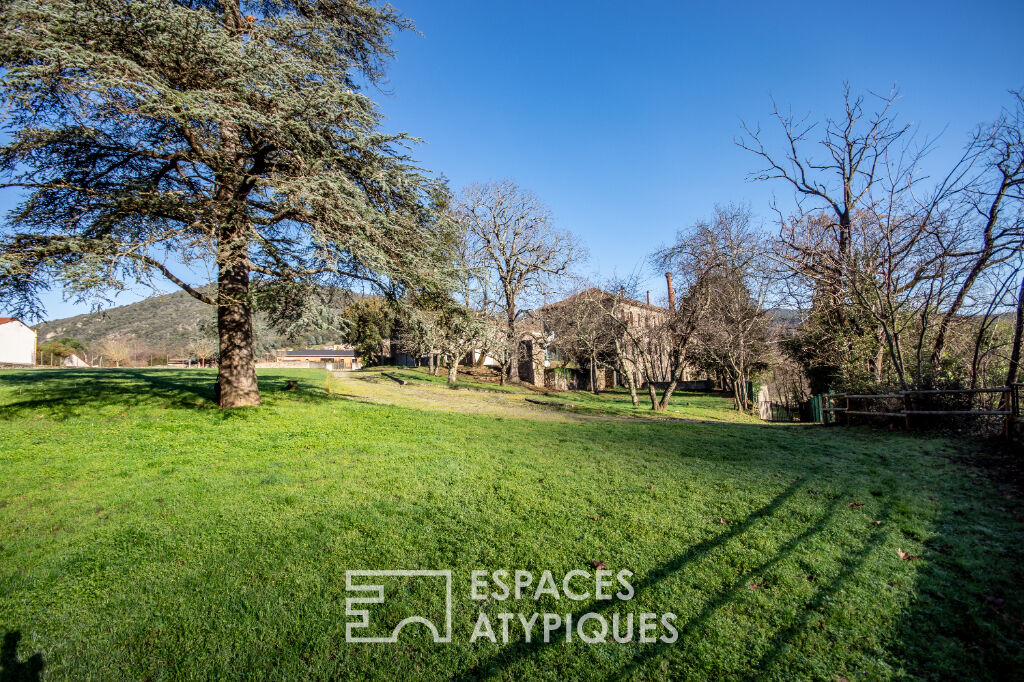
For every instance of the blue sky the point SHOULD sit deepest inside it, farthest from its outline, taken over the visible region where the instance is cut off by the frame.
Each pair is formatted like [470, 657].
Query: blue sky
[622, 116]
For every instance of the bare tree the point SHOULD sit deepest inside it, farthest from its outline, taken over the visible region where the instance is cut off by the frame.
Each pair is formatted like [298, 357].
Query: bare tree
[641, 340]
[116, 349]
[521, 252]
[459, 332]
[734, 337]
[727, 257]
[992, 198]
[700, 258]
[580, 331]
[853, 152]
[888, 264]
[202, 348]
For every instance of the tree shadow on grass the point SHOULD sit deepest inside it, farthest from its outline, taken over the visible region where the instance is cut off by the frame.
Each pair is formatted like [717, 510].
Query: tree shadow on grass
[13, 670]
[968, 611]
[728, 593]
[494, 666]
[64, 394]
[508, 656]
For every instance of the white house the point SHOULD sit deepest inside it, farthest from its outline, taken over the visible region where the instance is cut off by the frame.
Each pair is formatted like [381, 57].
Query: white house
[17, 342]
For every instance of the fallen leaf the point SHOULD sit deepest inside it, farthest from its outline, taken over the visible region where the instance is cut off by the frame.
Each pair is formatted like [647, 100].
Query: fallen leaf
[599, 565]
[855, 505]
[877, 523]
[650, 486]
[907, 557]
[723, 522]
[752, 586]
[596, 518]
[995, 601]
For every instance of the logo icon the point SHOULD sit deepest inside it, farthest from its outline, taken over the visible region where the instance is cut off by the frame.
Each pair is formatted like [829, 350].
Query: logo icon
[374, 594]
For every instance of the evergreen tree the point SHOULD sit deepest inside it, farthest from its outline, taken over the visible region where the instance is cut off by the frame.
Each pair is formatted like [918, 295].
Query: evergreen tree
[154, 138]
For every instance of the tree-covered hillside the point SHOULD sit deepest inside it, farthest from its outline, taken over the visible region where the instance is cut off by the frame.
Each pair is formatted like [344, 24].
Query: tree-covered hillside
[167, 324]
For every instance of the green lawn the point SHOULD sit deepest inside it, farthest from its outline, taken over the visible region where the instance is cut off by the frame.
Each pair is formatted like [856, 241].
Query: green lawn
[145, 534]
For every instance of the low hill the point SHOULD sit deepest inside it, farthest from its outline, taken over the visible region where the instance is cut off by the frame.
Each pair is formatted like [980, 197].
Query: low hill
[170, 320]
[166, 324]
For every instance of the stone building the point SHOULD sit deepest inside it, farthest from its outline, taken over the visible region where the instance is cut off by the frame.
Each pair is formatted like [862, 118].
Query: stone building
[543, 364]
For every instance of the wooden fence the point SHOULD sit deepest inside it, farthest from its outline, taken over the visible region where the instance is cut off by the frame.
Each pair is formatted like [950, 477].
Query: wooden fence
[915, 404]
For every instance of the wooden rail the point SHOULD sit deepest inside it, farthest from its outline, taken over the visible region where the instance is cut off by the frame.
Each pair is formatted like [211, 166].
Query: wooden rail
[1001, 389]
[828, 406]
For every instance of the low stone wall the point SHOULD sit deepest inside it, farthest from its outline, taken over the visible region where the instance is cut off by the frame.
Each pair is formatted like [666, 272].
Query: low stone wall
[297, 364]
[701, 385]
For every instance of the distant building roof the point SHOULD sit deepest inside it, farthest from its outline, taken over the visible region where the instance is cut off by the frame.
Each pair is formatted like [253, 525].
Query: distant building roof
[311, 353]
[5, 320]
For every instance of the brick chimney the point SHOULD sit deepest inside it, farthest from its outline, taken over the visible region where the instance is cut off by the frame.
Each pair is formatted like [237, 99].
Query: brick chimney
[671, 292]
[648, 297]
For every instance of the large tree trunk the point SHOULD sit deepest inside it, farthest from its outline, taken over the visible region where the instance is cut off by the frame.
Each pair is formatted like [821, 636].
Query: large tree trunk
[453, 373]
[513, 365]
[236, 379]
[513, 348]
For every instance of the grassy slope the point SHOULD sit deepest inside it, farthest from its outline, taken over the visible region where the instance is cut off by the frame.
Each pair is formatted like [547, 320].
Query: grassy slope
[146, 534]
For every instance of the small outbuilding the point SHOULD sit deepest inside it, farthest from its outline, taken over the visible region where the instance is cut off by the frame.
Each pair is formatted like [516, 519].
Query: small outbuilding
[341, 358]
[75, 361]
[17, 342]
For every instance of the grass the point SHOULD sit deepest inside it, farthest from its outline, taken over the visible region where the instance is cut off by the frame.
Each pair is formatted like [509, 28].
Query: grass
[684, 405]
[145, 534]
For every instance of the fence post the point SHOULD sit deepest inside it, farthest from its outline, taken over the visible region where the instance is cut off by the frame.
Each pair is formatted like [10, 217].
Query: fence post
[1014, 406]
[907, 405]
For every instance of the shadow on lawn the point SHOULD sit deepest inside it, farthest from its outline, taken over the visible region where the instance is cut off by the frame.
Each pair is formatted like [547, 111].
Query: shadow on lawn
[62, 394]
[493, 666]
[728, 593]
[967, 615]
[13, 670]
